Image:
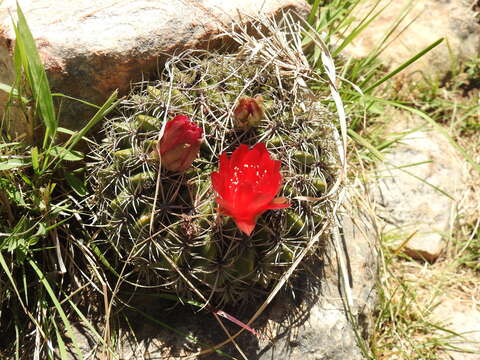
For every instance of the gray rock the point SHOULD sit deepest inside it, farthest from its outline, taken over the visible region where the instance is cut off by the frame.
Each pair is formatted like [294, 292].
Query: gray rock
[462, 317]
[92, 48]
[417, 188]
[427, 21]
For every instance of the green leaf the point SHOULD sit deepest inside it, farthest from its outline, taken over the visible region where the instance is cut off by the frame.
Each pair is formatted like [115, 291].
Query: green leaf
[13, 164]
[76, 184]
[62, 153]
[42, 229]
[13, 92]
[404, 65]
[35, 163]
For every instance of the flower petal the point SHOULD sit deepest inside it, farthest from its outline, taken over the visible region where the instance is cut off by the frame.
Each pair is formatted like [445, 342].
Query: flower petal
[180, 143]
[246, 226]
[224, 167]
[238, 155]
[218, 183]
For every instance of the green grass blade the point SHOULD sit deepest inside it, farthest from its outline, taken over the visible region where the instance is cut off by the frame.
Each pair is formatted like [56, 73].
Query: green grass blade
[89, 325]
[76, 99]
[36, 75]
[313, 11]
[472, 111]
[404, 65]
[434, 187]
[71, 133]
[57, 305]
[17, 341]
[366, 21]
[9, 274]
[436, 126]
[13, 92]
[103, 259]
[61, 345]
[108, 106]
[364, 142]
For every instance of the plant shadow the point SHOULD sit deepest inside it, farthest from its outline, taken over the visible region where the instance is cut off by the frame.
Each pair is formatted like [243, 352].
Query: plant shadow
[161, 329]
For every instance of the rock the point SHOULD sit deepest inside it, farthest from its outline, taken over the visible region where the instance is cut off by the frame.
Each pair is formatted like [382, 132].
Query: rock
[462, 317]
[427, 21]
[92, 48]
[418, 187]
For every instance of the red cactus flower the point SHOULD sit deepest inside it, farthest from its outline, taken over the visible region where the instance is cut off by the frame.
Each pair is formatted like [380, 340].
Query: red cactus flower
[180, 143]
[247, 184]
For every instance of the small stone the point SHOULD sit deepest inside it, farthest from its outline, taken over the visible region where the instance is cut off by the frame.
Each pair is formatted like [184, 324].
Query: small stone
[425, 247]
[417, 188]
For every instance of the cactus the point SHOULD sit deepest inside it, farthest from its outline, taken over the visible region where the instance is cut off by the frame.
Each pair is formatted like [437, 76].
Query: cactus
[180, 235]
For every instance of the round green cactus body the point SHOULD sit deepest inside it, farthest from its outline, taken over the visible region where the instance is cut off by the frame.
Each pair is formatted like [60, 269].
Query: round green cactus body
[166, 225]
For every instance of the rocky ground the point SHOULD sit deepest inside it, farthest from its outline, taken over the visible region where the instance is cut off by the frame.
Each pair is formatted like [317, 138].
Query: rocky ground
[425, 192]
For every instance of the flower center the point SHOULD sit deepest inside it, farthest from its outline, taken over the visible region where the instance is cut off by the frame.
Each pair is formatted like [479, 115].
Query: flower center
[249, 175]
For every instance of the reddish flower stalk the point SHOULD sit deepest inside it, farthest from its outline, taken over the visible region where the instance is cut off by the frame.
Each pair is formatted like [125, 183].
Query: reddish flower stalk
[180, 143]
[247, 184]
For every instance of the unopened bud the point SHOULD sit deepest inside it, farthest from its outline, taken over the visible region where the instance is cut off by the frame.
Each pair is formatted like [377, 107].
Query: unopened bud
[249, 112]
[180, 144]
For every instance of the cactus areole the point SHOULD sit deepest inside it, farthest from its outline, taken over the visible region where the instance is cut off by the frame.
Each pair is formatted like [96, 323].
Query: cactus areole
[247, 184]
[179, 144]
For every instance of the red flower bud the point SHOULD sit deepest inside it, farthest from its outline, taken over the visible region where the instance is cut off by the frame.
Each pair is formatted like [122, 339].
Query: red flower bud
[248, 112]
[180, 143]
[247, 184]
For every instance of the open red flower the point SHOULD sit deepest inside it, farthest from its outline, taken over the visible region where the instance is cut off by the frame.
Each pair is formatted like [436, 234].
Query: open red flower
[247, 184]
[180, 143]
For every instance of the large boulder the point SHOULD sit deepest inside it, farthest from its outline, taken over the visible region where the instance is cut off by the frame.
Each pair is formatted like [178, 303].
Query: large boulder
[92, 48]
